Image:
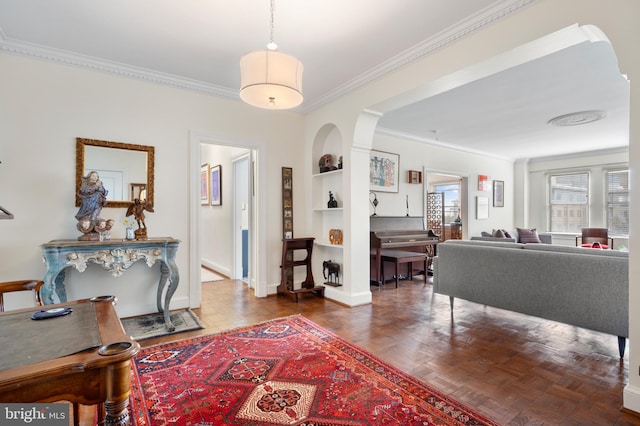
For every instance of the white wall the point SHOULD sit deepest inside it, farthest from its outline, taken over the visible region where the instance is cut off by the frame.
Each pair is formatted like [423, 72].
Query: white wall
[416, 156]
[46, 105]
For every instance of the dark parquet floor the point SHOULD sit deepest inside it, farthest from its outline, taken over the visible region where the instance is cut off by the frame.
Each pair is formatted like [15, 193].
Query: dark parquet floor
[516, 369]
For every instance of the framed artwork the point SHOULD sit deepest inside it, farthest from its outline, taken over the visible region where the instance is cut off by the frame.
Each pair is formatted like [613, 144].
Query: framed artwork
[415, 176]
[204, 184]
[287, 203]
[498, 193]
[383, 171]
[216, 185]
[483, 183]
[482, 207]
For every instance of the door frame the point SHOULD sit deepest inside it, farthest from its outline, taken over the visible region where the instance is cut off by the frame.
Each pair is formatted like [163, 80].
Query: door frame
[258, 219]
[236, 266]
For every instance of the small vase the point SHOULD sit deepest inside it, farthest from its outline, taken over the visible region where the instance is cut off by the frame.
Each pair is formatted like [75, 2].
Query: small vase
[130, 235]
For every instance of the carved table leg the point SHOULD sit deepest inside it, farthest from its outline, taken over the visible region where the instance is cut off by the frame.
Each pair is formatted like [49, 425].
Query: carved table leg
[168, 271]
[117, 413]
[53, 287]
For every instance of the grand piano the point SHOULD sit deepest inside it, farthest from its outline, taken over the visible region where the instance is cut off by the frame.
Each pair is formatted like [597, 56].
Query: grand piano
[388, 234]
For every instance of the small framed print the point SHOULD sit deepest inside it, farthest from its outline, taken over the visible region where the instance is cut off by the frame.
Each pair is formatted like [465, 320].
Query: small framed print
[482, 207]
[498, 193]
[415, 176]
[204, 184]
[287, 203]
[483, 183]
[216, 185]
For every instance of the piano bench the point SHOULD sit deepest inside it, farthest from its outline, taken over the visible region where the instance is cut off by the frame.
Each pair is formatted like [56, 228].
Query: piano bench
[400, 256]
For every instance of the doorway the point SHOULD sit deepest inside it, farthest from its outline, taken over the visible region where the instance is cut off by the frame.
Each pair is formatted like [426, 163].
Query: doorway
[256, 207]
[452, 189]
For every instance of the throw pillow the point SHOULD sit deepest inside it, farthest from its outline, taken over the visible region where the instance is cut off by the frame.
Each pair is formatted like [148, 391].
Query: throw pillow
[506, 233]
[498, 233]
[528, 236]
[485, 234]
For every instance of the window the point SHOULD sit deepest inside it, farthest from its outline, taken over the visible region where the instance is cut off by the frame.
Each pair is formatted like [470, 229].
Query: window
[451, 193]
[569, 202]
[617, 187]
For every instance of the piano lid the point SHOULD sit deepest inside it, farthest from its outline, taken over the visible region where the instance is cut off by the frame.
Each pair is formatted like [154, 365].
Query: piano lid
[396, 223]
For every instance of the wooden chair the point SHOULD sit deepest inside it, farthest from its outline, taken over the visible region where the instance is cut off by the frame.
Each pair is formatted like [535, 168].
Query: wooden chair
[23, 285]
[595, 235]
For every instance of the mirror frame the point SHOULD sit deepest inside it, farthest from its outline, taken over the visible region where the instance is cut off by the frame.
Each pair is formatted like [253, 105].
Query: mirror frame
[81, 143]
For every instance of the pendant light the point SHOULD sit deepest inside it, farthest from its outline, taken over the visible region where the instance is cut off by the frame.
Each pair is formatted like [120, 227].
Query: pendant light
[271, 79]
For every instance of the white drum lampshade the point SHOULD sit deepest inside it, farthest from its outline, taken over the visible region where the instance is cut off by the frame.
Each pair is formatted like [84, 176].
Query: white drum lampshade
[271, 79]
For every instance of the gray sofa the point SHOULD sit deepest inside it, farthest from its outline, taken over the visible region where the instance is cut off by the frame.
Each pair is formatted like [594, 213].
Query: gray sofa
[582, 287]
[486, 236]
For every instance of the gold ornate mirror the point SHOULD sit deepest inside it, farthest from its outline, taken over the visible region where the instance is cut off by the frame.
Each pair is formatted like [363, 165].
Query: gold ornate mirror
[120, 165]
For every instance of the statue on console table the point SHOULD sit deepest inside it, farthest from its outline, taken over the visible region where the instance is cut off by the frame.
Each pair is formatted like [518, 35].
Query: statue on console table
[93, 196]
[137, 210]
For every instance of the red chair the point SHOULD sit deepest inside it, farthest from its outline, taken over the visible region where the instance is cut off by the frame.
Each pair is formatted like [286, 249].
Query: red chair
[592, 237]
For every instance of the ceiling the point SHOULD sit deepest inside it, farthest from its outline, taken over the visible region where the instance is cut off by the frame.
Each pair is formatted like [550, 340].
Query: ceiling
[197, 45]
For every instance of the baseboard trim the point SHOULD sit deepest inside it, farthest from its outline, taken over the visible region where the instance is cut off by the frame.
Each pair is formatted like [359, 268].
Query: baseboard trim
[631, 399]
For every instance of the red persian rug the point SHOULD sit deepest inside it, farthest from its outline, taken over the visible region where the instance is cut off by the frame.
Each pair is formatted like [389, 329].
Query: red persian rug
[287, 371]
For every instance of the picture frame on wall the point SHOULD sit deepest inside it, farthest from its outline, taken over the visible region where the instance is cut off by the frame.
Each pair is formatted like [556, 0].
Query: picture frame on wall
[384, 170]
[204, 184]
[498, 193]
[287, 203]
[482, 207]
[483, 183]
[216, 185]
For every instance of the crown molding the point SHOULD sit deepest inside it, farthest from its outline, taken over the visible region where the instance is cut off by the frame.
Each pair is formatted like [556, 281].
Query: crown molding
[110, 67]
[434, 142]
[471, 24]
[488, 16]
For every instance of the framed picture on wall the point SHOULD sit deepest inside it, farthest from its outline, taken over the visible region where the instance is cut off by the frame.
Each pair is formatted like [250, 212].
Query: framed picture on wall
[482, 207]
[216, 185]
[204, 184]
[483, 183]
[383, 171]
[498, 193]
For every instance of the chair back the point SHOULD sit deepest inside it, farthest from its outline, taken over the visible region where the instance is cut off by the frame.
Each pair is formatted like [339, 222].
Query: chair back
[596, 235]
[23, 285]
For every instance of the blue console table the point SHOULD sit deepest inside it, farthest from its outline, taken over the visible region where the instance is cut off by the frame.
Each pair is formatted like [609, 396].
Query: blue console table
[115, 256]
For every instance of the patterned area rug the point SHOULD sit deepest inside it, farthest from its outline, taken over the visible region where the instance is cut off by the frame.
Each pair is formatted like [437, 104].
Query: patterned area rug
[288, 371]
[152, 325]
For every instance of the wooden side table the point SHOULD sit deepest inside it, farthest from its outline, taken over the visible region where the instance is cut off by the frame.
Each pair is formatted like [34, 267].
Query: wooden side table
[286, 284]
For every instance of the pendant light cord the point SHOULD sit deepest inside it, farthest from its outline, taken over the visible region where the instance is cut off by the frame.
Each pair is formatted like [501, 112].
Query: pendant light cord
[272, 44]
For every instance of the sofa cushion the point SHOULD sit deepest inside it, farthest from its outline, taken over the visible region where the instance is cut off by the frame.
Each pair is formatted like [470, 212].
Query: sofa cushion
[528, 236]
[498, 233]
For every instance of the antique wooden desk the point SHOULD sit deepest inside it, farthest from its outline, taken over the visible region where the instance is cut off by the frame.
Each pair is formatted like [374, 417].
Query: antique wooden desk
[83, 357]
[115, 256]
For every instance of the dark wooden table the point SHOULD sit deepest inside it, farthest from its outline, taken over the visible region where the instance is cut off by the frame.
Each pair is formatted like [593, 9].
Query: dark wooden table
[83, 357]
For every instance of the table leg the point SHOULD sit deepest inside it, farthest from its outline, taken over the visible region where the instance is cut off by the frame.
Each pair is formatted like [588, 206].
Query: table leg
[168, 272]
[53, 287]
[378, 266]
[117, 413]
[117, 383]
